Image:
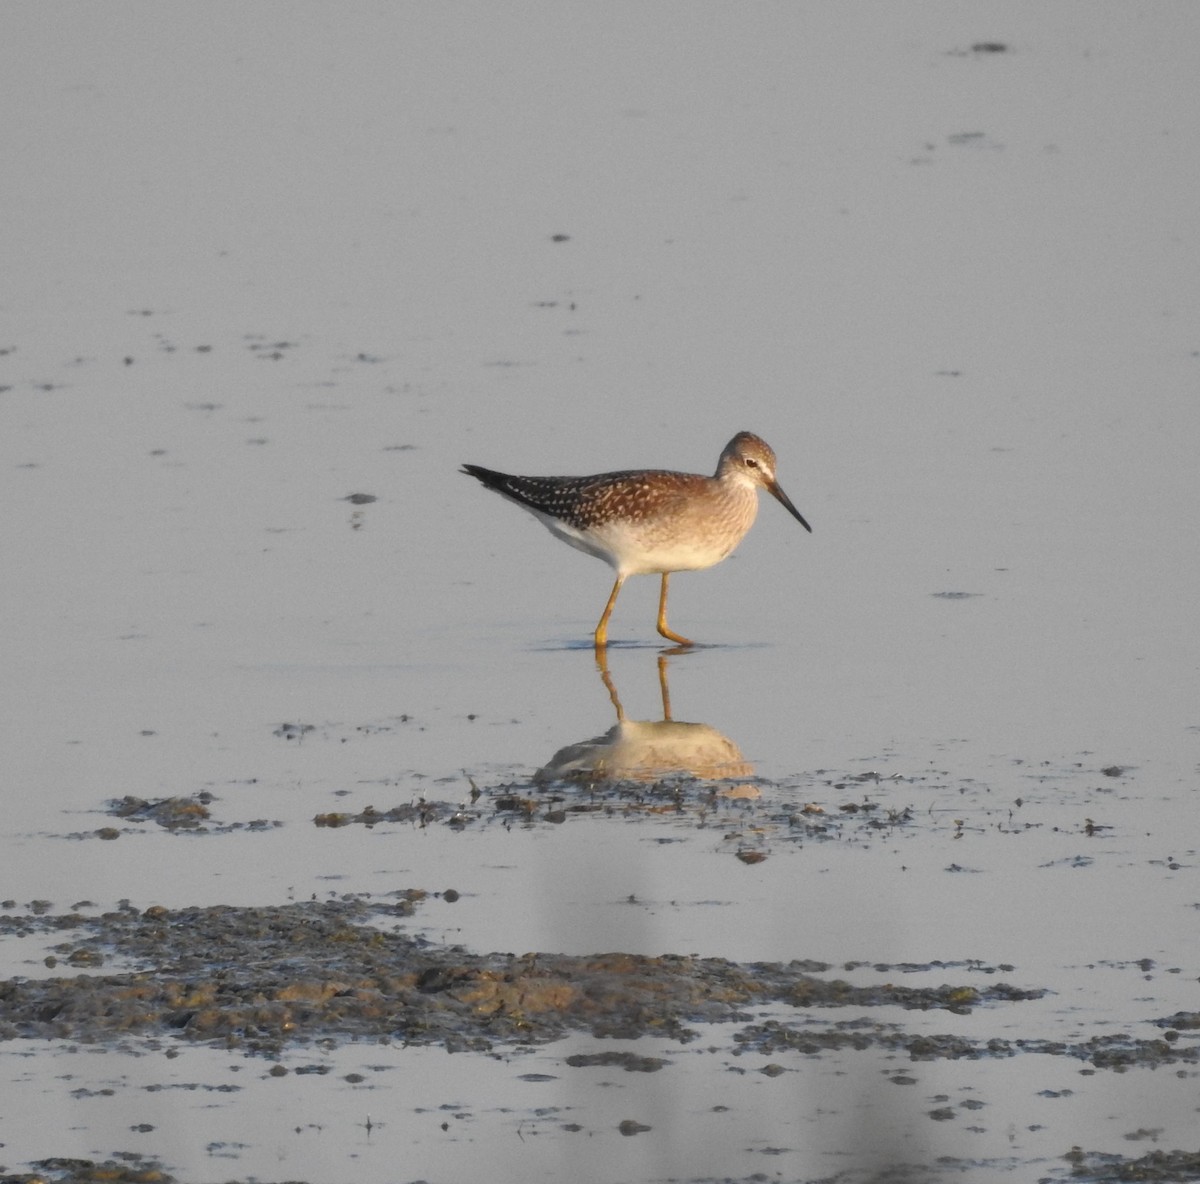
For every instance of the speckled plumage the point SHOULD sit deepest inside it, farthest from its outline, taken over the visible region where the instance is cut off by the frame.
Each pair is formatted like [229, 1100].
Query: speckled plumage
[643, 521]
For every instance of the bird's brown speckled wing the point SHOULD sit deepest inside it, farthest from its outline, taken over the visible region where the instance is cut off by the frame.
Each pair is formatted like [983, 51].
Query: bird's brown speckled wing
[581, 502]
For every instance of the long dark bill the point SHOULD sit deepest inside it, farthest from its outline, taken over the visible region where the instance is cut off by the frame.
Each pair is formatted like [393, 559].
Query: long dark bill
[786, 502]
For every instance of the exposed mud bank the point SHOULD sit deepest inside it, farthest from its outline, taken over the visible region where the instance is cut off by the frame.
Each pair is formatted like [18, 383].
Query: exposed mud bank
[260, 979]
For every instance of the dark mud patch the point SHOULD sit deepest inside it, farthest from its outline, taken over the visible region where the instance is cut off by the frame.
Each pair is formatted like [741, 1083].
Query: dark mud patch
[743, 810]
[630, 1062]
[191, 815]
[1118, 1052]
[262, 980]
[127, 1168]
[180, 813]
[755, 816]
[1159, 1166]
[419, 813]
[758, 815]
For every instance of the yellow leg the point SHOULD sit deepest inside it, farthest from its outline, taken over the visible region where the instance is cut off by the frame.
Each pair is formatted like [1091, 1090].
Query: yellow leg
[602, 628]
[662, 617]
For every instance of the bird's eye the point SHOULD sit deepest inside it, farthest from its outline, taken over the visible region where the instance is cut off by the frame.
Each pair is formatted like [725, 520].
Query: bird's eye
[752, 462]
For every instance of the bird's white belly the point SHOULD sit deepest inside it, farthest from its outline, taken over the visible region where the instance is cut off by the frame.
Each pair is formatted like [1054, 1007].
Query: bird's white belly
[635, 552]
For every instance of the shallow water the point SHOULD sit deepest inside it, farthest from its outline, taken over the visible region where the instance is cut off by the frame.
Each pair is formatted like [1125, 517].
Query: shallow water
[257, 268]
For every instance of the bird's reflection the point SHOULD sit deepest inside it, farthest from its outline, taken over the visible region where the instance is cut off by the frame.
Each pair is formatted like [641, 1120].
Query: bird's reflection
[646, 750]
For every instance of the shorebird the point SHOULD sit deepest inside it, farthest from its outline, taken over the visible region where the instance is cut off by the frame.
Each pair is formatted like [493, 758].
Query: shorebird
[645, 521]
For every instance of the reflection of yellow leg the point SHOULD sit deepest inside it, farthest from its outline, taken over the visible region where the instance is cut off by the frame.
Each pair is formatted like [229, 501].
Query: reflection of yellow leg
[602, 628]
[662, 617]
[662, 686]
[609, 685]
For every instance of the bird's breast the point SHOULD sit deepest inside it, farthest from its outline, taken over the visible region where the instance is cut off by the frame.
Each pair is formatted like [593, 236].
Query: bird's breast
[693, 535]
